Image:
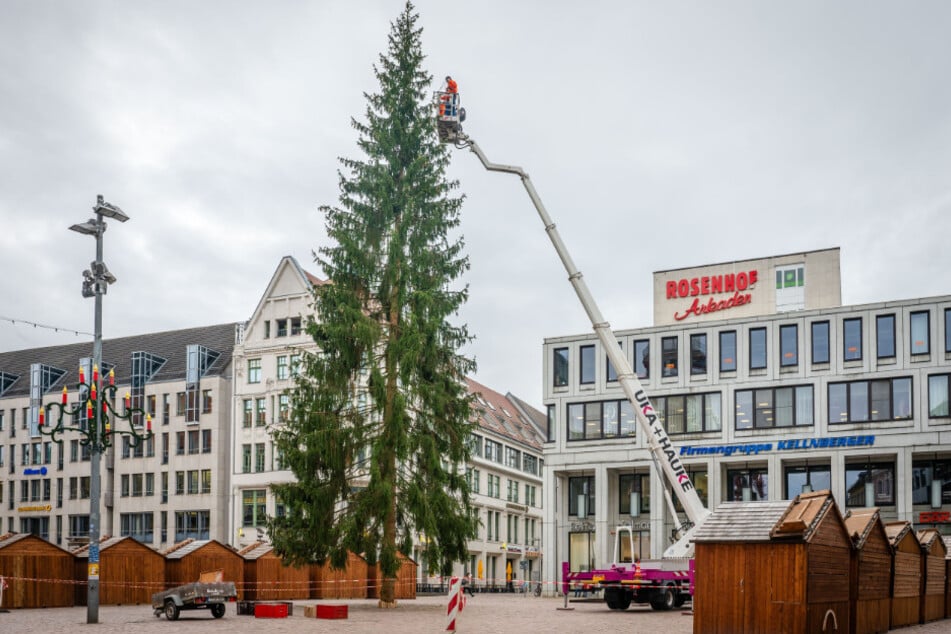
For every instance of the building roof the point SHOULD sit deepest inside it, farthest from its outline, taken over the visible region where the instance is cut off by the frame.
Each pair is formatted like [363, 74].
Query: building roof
[9, 539]
[931, 540]
[742, 522]
[780, 520]
[256, 550]
[897, 531]
[860, 523]
[169, 345]
[496, 413]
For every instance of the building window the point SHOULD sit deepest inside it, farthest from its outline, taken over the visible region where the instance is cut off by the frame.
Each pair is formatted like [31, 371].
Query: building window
[254, 370]
[865, 401]
[581, 487]
[689, 413]
[560, 367]
[513, 458]
[820, 342]
[138, 526]
[281, 327]
[206, 401]
[206, 441]
[789, 345]
[259, 457]
[245, 458]
[601, 419]
[923, 472]
[852, 339]
[748, 484]
[295, 325]
[283, 369]
[938, 385]
[728, 351]
[634, 483]
[180, 401]
[586, 366]
[885, 336]
[698, 354]
[920, 332]
[870, 484]
[261, 416]
[757, 348]
[248, 412]
[610, 371]
[668, 356]
[192, 525]
[493, 451]
[642, 366]
[254, 507]
[701, 483]
[550, 422]
[766, 408]
[803, 479]
[284, 407]
[947, 329]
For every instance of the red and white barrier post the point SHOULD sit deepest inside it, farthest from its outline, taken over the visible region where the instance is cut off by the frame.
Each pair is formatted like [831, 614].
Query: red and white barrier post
[455, 601]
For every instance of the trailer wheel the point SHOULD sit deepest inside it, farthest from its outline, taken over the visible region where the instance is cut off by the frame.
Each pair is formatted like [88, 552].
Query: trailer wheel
[171, 610]
[664, 600]
[218, 610]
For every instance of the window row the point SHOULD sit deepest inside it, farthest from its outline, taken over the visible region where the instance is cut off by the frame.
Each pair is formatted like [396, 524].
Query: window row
[286, 367]
[493, 488]
[919, 344]
[531, 529]
[493, 451]
[867, 484]
[283, 327]
[873, 400]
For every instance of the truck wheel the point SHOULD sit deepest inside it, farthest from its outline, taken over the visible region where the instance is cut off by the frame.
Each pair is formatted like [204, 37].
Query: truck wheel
[679, 600]
[218, 610]
[171, 610]
[664, 600]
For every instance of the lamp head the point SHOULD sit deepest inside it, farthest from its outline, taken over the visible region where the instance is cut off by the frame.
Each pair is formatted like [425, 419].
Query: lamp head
[109, 210]
[89, 228]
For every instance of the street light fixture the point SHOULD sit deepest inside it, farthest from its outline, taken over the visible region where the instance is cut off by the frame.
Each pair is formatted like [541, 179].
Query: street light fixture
[97, 401]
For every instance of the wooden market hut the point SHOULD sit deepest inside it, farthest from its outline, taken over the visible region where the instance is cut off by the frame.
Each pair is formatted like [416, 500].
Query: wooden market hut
[39, 574]
[268, 578]
[129, 572]
[906, 575]
[405, 579]
[947, 576]
[349, 582]
[185, 561]
[871, 572]
[933, 571]
[774, 566]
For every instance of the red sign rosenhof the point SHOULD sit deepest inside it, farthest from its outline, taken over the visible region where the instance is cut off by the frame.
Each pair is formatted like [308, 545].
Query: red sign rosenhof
[695, 287]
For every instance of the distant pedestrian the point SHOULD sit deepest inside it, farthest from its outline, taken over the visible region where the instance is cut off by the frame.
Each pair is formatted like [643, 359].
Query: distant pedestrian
[467, 584]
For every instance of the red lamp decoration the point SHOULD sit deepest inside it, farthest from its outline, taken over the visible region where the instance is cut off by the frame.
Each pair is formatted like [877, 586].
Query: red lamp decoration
[98, 413]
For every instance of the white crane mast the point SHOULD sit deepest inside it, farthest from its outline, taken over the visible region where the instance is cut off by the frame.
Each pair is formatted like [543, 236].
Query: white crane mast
[663, 450]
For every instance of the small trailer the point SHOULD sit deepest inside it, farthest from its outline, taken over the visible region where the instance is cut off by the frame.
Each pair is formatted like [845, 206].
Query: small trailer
[209, 593]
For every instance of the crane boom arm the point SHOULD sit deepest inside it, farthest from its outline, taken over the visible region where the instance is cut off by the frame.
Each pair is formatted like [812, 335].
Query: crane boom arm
[657, 439]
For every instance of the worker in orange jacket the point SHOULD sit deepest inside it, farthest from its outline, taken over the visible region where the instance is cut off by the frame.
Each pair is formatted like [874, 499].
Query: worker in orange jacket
[449, 99]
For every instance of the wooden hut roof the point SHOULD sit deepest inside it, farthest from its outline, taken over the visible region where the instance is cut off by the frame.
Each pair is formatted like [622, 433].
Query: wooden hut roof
[947, 546]
[106, 542]
[860, 523]
[931, 540]
[897, 531]
[189, 546]
[9, 539]
[256, 550]
[804, 514]
[742, 522]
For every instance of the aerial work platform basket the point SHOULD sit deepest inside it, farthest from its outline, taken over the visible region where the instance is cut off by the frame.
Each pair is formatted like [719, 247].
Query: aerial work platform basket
[449, 116]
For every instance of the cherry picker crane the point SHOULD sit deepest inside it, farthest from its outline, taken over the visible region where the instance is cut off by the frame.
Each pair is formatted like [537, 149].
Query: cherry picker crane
[664, 583]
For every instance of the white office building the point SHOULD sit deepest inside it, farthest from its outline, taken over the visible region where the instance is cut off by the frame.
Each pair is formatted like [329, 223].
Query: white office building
[768, 387]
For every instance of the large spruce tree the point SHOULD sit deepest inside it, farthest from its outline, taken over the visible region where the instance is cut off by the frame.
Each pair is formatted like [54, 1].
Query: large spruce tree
[378, 433]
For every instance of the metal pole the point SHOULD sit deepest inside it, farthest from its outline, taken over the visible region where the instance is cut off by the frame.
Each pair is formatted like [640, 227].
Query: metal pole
[92, 597]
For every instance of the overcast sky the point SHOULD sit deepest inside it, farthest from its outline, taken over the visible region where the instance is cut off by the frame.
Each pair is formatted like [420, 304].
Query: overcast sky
[659, 135]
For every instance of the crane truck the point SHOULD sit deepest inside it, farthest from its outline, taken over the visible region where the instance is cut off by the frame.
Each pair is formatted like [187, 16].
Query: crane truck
[665, 583]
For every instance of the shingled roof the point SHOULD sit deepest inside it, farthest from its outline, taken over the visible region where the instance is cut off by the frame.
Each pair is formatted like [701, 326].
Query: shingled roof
[779, 520]
[496, 413]
[170, 345]
[742, 522]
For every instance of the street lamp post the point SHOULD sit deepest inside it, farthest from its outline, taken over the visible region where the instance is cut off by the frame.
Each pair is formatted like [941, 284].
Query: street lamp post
[97, 399]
